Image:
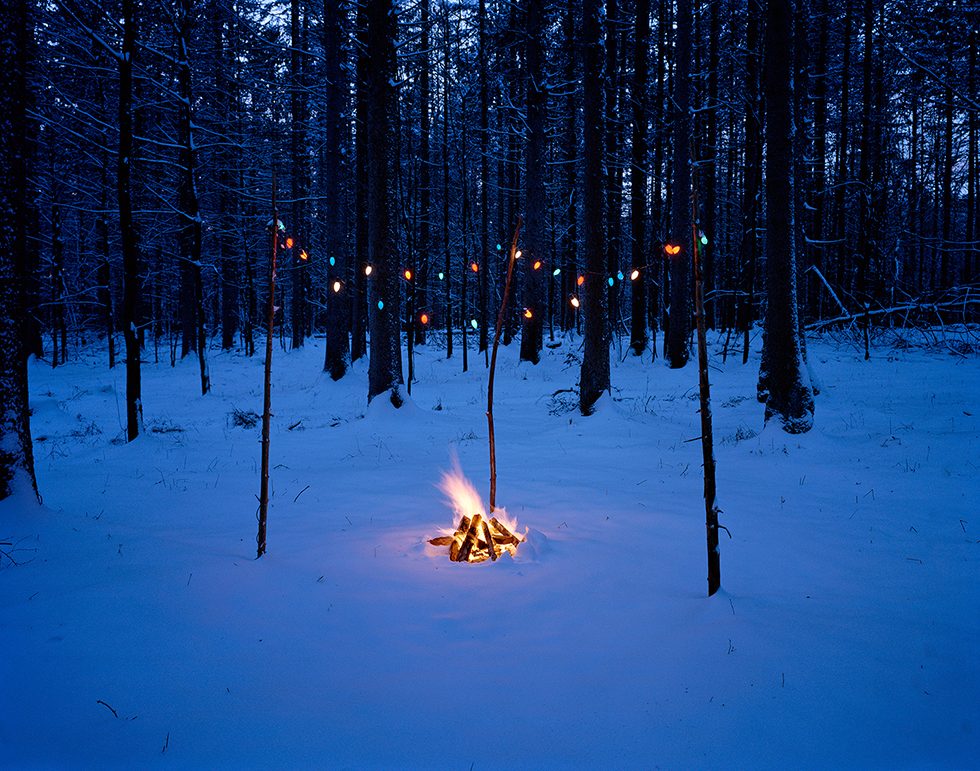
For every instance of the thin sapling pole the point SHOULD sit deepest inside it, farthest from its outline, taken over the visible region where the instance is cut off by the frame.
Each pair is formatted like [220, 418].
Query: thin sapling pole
[704, 388]
[267, 397]
[493, 364]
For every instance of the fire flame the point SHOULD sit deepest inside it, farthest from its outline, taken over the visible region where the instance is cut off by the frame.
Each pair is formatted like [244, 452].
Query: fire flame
[467, 505]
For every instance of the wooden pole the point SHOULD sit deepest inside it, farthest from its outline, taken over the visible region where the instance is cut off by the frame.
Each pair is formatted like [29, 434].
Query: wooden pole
[493, 364]
[707, 439]
[267, 398]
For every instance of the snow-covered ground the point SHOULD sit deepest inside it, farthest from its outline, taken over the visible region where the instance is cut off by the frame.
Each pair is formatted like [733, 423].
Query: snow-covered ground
[140, 630]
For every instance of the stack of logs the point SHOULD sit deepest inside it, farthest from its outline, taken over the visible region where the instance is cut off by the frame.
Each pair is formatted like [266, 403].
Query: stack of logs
[478, 539]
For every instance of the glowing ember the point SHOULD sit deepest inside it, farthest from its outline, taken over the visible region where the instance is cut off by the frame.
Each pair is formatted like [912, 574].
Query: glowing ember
[477, 537]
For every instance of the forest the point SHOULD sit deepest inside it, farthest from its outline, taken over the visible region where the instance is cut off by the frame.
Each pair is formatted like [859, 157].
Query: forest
[226, 217]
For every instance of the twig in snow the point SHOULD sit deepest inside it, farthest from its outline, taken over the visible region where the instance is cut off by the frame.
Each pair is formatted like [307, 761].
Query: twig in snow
[114, 713]
[300, 493]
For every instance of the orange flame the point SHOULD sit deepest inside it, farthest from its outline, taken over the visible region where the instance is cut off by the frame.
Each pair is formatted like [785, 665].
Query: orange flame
[465, 501]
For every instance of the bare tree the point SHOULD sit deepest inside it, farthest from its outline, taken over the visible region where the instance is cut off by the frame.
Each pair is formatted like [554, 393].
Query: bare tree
[594, 378]
[385, 368]
[16, 140]
[783, 382]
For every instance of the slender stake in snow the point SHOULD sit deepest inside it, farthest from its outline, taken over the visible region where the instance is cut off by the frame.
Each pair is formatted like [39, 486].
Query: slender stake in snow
[267, 399]
[707, 440]
[493, 364]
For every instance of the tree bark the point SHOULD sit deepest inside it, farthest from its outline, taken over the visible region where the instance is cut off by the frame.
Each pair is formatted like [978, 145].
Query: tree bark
[535, 185]
[337, 354]
[16, 199]
[680, 216]
[189, 237]
[385, 365]
[594, 378]
[132, 279]
[300, 184]
[783, 382]
[638, 180]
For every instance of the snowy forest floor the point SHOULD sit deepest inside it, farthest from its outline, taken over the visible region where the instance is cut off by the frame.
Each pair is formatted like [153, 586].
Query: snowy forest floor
[140, 630]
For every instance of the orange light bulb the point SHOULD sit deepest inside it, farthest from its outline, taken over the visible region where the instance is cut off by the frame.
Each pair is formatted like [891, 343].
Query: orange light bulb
[537, 264]
[408, 275]
[672, 249]
[289, 242]
[581, 280]
[527, 313]
[474, 267]
[424, 318]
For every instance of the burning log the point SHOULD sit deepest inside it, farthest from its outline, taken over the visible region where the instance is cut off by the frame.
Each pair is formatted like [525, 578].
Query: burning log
[491, 546]
[503, 534]
[470, 540]
[479, 539]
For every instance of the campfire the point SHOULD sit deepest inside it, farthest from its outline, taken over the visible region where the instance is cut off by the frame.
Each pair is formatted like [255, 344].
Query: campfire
[477, 537]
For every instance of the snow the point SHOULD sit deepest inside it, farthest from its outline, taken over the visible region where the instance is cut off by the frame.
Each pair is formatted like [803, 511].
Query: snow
[845, 633]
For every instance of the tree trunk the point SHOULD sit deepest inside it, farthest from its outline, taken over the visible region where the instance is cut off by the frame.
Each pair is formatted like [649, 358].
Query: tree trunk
[424, 238]
[536, 185]
[840, 200]
[130, 241]
[613, 166]
[16, 146]
[638, 180]
[448, 269]
[226, 159]
[485, 258]
[680, 215]
[359, 280]
[300, 185]
[337, 354]
[783, 382]
[189, 237]
[385, 366]
[594, 379]
[752, 184]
